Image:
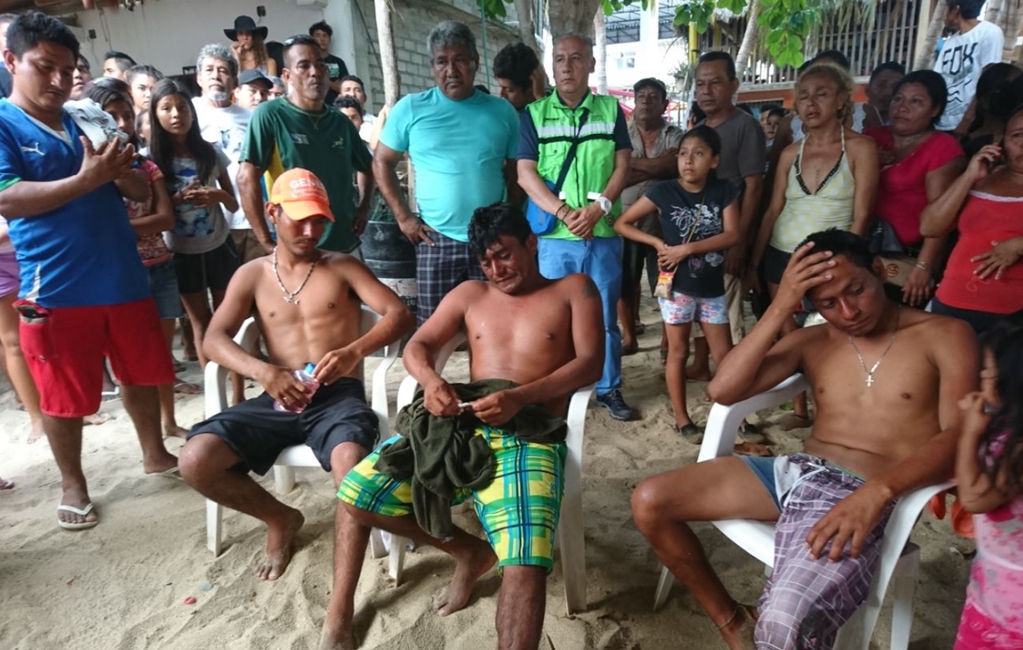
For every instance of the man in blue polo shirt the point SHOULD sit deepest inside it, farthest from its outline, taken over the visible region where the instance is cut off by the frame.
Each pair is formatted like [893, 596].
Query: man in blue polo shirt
[462, 143]
[84, 292]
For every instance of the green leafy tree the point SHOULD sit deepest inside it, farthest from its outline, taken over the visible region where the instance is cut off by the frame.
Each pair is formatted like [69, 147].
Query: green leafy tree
[787, 23]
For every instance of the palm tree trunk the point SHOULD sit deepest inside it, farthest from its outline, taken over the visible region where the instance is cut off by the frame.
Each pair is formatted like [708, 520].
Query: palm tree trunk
[925, 56]
[527, 28]
[993, 13]
[568, 16]
[1015, 51]
[600, 49]
[996, 15]
[749, 38]
[388, 56]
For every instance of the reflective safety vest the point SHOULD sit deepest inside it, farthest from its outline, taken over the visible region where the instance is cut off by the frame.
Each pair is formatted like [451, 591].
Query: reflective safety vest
[556, 126]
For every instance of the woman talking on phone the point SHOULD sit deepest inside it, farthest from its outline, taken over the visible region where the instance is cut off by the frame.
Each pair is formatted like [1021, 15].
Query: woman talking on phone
[983, 281]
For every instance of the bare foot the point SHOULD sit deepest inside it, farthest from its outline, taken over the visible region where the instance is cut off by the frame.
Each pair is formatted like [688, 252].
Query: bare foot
[698, 373]
[183, 387]
[278, 546]
[96, 419]
[752, 449]
[5, 484]
[174, 431]
[477, 562]
[77, 498]
[738, 633]
[158, 464]
[337, 638]
[794, 421]
[37, 431]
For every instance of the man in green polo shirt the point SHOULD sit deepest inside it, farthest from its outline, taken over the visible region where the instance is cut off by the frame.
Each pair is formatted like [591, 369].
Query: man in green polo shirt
[300, 130]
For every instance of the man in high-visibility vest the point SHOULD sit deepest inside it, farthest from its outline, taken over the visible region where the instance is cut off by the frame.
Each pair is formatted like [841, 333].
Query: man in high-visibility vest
[586, 204]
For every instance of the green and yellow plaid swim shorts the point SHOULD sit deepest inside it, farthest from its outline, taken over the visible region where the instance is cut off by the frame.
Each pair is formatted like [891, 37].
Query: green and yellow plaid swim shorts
[519, 509]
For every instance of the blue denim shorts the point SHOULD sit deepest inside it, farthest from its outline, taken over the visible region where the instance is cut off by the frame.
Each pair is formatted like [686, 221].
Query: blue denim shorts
[163, 283]
[763, 468]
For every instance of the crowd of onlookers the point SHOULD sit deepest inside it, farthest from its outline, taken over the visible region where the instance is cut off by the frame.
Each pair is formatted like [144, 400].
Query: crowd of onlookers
[183, 243]
[928, 173]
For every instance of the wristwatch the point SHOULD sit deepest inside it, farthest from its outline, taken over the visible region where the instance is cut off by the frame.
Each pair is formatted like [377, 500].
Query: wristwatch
[604, 203]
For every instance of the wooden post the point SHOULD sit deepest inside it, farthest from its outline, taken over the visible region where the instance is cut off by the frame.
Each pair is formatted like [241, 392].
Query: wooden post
[388, 55]
[600, 49]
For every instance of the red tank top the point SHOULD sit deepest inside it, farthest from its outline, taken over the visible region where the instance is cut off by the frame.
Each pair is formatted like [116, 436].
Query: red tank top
[985, 218]
[902, 187]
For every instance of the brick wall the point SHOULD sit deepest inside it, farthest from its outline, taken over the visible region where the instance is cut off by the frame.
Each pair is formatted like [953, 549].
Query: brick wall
[412, 23]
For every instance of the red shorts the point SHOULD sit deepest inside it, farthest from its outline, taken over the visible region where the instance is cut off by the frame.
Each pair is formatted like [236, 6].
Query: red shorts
[65, 353]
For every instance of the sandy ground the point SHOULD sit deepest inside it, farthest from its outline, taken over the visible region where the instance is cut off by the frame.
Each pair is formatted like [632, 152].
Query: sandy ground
[122, 585]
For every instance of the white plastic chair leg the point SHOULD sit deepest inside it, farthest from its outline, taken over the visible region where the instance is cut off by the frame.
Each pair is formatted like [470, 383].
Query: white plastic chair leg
[284, 479]
[664, 584]
[571, 525]
[573, 547]
[377, 549]
[396, 561]
[905, 591]
[850, 637]
[214, 527]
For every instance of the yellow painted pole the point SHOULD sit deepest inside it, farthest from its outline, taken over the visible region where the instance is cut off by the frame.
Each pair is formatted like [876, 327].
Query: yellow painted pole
[694, 45]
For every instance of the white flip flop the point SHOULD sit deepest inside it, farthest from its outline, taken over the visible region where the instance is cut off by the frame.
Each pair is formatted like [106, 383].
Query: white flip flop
[173, 473]
[82, 512]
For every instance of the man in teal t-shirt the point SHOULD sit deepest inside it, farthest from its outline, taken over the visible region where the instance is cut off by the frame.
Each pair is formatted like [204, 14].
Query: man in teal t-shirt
[462, 143]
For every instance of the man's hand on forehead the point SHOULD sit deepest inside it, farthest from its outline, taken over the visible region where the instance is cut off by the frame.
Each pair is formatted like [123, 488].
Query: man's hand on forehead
[805, 271]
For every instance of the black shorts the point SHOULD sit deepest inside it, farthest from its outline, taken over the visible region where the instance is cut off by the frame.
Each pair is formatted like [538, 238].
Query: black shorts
[774, 263]
[980, 321]
[258, 433]
[211, 270]
[634, 255]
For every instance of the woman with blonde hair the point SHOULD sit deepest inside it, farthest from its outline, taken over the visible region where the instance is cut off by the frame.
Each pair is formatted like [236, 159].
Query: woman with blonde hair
[826, 180]
[248, 42]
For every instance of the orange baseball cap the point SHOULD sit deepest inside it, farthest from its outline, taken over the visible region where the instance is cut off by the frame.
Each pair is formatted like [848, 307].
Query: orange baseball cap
[302, 194]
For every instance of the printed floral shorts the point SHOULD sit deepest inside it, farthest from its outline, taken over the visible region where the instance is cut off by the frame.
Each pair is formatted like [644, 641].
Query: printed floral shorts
[679, 308]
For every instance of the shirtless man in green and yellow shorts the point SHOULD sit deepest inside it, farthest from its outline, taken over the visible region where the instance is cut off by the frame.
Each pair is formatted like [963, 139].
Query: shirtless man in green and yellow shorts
[548, 337]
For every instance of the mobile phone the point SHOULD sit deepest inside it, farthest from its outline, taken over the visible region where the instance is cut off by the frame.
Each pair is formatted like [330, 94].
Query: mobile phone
[30, 312]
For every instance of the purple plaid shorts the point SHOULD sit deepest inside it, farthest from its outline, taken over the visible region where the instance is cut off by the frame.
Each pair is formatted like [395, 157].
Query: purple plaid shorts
[806, 601]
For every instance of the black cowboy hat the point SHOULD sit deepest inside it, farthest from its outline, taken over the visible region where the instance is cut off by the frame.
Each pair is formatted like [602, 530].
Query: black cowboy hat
[245, 24]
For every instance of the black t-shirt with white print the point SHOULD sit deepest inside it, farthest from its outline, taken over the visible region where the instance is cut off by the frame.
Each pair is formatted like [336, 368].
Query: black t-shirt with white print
[702, 214]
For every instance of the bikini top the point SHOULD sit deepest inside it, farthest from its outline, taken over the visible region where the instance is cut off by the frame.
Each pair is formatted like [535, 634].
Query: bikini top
[831, 206]
[859, 116]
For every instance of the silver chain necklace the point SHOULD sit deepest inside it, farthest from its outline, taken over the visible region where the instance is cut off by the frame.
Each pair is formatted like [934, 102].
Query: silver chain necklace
[877, 364]
[291, 296]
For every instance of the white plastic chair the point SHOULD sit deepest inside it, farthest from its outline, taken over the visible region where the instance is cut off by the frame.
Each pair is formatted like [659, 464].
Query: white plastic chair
[299, 455]
[573, 546]
[899, 558]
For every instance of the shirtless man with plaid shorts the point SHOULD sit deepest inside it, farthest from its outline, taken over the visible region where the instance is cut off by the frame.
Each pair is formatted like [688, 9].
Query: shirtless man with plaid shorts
[547, 336]
[886, 381]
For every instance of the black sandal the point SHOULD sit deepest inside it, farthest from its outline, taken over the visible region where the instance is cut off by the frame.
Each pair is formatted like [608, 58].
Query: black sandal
[690, 432]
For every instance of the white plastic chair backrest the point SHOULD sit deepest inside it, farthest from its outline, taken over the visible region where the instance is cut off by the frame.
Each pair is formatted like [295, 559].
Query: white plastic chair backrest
[757, 538]
[724, 421]
[248, 333]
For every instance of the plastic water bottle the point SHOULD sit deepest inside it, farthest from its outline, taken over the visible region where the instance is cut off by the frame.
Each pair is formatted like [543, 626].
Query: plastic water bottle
[304, 375]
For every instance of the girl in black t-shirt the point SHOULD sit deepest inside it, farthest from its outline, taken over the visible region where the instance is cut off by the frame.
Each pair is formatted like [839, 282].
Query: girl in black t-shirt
[700, 220]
